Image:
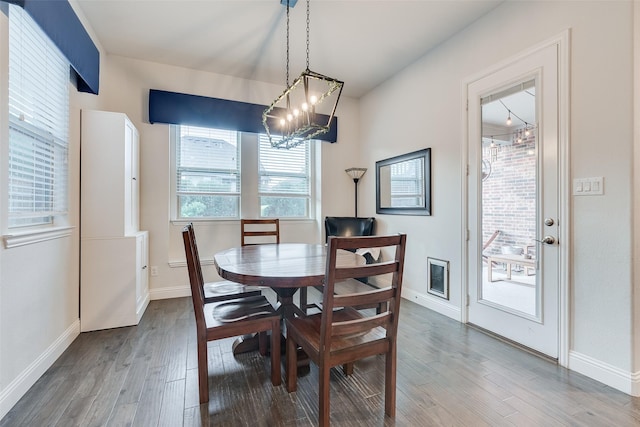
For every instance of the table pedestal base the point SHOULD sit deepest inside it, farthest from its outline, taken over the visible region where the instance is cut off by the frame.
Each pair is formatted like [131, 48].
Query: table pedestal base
[287, 309]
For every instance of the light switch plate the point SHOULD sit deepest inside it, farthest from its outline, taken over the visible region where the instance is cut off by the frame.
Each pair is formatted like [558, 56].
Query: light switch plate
[593, 186]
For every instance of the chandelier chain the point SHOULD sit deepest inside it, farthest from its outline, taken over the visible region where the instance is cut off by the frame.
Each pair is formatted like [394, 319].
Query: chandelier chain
[308, 20]
[287, 43]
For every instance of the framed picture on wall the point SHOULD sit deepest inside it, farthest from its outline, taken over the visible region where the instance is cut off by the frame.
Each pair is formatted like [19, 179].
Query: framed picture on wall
[438, 277]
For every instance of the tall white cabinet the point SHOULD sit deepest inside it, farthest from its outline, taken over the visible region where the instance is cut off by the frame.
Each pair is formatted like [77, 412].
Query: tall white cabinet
[114, 278]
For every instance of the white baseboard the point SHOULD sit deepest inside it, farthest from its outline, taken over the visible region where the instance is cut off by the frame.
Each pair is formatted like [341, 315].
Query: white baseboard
[626, 382]
[433, 303]
[170, 292]
[142, 307]
[27, 378]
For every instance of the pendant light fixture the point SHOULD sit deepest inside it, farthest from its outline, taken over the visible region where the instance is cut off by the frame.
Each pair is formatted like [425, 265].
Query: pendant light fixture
[306, 108]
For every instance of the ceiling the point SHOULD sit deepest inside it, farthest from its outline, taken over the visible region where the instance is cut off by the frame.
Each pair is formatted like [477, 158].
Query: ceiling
[361, 42]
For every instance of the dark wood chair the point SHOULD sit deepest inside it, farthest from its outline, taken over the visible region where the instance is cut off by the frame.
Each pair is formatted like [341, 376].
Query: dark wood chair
[341, 334]
[229, 318]
[259, 231]
[345, 226]
[225, 290]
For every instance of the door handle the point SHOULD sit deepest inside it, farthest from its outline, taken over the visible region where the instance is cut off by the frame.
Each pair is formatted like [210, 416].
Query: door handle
[548, 240]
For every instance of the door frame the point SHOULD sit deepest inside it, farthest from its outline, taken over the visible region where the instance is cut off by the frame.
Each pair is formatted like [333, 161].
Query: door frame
[562, 41]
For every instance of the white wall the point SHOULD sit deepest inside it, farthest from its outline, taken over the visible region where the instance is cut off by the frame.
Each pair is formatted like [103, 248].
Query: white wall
[126, 88]
[39, 291]
[422, 107]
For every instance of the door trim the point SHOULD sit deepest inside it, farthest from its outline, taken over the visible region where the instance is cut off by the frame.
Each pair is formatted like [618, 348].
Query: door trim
[562, 41]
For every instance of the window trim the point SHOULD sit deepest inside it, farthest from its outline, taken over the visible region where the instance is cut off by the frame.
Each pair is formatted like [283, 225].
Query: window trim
[31, 236]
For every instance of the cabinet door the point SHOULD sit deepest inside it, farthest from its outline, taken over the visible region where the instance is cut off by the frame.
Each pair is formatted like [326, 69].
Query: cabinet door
[131, 183]
[142, 261]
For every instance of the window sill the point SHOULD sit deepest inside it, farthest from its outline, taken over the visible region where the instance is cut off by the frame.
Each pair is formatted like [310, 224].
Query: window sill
[23, 238]
[183, 222]
[181, 264]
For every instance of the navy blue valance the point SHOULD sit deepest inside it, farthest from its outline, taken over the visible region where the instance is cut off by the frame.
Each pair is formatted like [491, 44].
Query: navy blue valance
[58, 20]
[180, 108]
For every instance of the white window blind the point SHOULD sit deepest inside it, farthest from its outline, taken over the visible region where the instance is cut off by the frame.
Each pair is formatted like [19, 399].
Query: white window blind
[38, 124]
[208, 173]
[284, 180]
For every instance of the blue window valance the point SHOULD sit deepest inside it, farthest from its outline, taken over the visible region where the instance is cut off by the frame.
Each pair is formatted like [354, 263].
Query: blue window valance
[180, 108]
[59, 21]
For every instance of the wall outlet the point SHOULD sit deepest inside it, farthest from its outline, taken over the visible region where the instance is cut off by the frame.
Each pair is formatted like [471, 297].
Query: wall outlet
[154, 270]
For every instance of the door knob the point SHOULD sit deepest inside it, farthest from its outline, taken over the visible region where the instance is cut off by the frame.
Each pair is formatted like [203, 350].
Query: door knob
[549, 240]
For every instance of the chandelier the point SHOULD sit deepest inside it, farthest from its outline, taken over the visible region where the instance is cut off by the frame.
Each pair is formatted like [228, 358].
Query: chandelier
[306, 107]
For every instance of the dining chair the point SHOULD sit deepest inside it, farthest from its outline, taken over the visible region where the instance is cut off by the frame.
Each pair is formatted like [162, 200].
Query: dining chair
[227, 319]
[341, 334]
[223, 290]
[259, 231]
[345, 227]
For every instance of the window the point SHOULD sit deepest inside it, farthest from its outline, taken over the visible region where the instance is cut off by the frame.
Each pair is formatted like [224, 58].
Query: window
[284, 180]
[222, 174]
[207, 173]
[38, 125]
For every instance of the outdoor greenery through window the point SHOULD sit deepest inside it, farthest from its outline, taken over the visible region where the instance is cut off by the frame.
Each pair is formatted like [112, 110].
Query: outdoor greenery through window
[207, 173]
[38, 125]
[221, 174]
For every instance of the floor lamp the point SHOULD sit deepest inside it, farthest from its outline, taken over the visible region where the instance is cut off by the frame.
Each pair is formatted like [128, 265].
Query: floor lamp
[356, 174]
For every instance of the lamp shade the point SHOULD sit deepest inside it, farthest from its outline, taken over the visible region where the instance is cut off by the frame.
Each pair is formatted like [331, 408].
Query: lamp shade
[356, 173]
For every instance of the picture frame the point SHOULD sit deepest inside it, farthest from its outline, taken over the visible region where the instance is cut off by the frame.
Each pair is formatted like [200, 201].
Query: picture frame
[438, 277]
[403, 184]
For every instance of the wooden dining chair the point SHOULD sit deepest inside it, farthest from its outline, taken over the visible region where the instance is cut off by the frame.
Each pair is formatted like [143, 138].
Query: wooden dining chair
[344, 227]
[341, 334]
[226, 319]
[223, 290]
[259, 231]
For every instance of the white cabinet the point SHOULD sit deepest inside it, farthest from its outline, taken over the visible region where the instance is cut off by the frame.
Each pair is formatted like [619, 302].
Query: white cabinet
[110, 183]
[114, 281]
[114, 253]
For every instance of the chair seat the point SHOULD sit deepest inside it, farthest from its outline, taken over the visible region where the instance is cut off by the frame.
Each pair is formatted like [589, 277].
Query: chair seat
[238, 309]
[308, 329]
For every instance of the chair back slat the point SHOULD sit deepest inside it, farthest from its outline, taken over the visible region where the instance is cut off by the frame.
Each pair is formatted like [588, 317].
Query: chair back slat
[389, 295]
[367, 270]
[359, 242]
[353, 327]
[375, 296]
[258, 229]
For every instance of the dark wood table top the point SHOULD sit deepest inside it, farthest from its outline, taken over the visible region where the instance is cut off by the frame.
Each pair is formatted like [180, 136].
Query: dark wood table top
[284, 265]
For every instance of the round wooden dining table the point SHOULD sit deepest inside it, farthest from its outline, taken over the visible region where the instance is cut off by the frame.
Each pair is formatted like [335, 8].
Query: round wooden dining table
[283, 267]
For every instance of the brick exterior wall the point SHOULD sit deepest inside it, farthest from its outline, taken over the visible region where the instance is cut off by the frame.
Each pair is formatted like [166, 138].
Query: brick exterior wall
[509, 197]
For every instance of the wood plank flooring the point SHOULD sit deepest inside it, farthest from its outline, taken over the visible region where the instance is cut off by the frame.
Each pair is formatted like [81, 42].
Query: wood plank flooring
[448, 375]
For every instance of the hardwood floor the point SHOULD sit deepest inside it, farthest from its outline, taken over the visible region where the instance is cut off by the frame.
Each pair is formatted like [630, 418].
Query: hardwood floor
[448, 375]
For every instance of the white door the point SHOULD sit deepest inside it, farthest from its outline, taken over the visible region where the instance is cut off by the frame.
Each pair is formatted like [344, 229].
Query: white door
[513, 201]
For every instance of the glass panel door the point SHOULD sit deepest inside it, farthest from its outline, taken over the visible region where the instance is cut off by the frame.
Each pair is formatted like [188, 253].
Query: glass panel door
[509, 194]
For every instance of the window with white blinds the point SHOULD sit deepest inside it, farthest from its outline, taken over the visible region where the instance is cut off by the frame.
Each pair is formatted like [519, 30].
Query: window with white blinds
[207, 173]
[222, 174]
[284, 185]
[38, 125]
